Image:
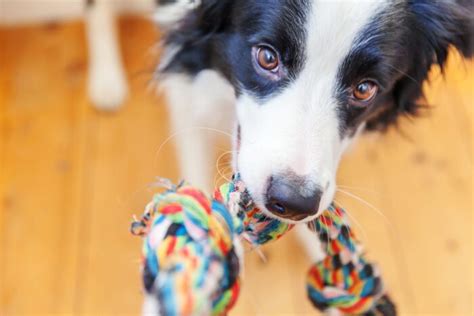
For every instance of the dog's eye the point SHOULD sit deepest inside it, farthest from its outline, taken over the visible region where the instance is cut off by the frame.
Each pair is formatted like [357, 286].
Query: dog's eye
[267, 58]
[365, 91]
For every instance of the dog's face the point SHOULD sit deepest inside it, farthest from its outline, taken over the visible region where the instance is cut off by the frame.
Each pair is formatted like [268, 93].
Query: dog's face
[299, 104]
[310, 74]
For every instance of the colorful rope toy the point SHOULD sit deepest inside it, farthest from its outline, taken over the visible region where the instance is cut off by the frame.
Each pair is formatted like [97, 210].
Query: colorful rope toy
[192, 254]
[344, 279]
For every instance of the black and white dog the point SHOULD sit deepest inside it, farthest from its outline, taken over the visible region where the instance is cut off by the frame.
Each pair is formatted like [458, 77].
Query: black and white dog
[304, 78]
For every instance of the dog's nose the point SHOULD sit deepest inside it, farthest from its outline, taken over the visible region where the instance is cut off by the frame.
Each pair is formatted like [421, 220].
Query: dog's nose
[288, 197]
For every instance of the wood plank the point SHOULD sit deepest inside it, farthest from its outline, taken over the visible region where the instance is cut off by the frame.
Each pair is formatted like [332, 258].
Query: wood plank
[427, 184]
[360, 193]
[123, 165]
[42, 83]
[3, 201]
[81, 175]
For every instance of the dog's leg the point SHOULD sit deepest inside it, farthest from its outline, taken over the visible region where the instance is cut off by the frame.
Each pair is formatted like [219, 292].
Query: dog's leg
[200, 109]
[107, 79]
[310, 242]
[312, 246]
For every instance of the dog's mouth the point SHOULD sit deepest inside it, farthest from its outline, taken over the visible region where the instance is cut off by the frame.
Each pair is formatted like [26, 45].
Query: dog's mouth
[287, 218]
[295, 218]
[250, 203]
[284, 214]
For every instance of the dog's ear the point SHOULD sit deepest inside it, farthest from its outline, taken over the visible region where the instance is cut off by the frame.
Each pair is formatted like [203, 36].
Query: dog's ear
[438, 26]
[194, 36]
[442, 24]
[212, 15]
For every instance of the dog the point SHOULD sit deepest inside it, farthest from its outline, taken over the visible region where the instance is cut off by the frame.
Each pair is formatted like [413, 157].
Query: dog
[302, 80]
[298, 80]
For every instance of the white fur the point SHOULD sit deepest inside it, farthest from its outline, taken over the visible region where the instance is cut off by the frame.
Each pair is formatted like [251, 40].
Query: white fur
[200, 109]
[150, 306]
[298, 129]
[310, 242]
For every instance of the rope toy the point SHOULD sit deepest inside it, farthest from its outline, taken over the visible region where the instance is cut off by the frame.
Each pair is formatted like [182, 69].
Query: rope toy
[191, 261]
[192, 253]
[344, 279]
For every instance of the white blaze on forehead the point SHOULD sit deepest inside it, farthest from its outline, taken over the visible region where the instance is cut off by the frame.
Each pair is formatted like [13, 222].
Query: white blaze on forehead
[333, 26]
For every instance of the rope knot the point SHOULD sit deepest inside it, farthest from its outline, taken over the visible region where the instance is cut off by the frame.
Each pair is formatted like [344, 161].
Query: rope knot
[343, 279]
[190, 262]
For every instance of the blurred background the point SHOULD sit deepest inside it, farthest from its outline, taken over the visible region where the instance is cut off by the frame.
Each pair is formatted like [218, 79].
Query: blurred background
[71, 177]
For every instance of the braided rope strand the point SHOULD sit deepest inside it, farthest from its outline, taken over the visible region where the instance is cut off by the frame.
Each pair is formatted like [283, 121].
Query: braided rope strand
[258, 228]
[189, 258]
[344, 279]
[191, 261]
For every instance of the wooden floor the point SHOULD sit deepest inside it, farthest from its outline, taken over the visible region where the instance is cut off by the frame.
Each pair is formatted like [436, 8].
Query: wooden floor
[71, 178]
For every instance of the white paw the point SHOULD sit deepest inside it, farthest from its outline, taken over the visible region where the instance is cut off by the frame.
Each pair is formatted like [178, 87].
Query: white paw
[108, 86]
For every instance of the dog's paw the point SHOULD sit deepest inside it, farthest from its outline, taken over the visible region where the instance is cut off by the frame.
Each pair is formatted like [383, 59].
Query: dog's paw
[108, 86]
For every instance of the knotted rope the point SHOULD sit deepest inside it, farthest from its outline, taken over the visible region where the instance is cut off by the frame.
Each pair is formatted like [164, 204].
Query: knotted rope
[344, 279]
[191, 253]
[190, 259]
[258, 228]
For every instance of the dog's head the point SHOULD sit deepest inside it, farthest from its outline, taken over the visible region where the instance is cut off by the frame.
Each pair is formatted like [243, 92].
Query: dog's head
[310, 74]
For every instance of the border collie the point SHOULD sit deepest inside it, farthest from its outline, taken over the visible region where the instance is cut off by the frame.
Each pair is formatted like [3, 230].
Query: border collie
[304, 78]
[299, 80]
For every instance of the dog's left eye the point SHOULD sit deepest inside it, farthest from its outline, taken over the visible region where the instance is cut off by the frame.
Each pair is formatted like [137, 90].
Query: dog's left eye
[365, 91]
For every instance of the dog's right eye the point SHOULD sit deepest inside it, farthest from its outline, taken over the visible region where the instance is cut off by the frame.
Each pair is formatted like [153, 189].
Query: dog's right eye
[267, 58]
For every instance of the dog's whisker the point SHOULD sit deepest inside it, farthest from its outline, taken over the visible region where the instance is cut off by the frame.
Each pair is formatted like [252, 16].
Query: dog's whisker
[358, 224]
[216, 180]
[228, 171]
[365, 189]
[371, 206]
[224, 169]
[221, 179]
[260, 253]
[223, 161]
[185, 130]
[217, 165]
[403, 73]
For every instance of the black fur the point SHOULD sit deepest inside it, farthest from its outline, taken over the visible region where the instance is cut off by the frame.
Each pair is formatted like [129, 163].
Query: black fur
[220, 35]
[399, 48]
[396, 49]
[406, 40]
